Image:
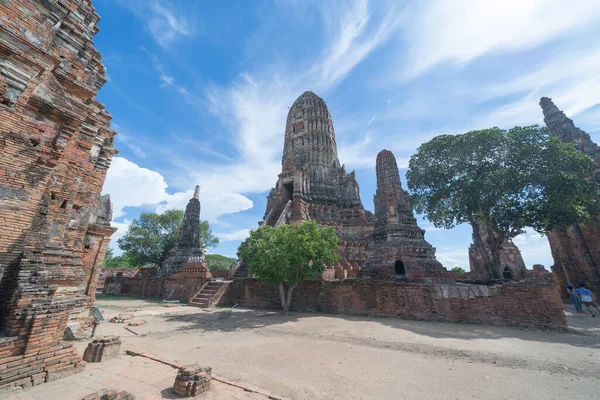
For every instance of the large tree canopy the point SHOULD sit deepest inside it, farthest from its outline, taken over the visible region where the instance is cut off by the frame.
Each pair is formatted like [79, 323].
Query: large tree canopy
[504, 179]
[150, 237]
[289, 254]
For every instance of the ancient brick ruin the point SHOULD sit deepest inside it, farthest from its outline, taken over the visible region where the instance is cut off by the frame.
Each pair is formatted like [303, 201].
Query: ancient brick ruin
[102, 349]
[397, 248]
[481, 260]
[187, 247]
[56, 145]
[313, 185]
[576, 251]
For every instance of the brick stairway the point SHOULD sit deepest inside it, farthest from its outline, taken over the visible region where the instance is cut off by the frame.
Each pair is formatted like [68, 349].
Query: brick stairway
[241, 272]
[209, 295]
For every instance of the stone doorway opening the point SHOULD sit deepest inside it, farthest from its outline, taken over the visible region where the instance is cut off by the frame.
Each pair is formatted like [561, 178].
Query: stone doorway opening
[288, 191]
[399, 269]
[507, 274]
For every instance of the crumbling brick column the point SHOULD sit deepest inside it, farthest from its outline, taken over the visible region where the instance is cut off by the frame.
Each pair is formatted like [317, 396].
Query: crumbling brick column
[192, 380]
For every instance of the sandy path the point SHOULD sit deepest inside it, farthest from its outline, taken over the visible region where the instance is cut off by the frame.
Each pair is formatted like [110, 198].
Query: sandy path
[316, 356]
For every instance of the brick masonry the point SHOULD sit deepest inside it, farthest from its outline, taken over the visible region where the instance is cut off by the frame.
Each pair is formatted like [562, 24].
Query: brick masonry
[56, 145]
[102, 349]
[180, 286]
[575, 251]
[527, 303]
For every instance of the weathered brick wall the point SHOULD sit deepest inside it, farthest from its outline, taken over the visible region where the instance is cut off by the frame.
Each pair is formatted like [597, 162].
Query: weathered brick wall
[184, 286]
[55, 148]
[518, 303]
[576, 254]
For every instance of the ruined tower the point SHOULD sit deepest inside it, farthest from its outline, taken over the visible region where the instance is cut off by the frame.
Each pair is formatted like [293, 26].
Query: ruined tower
[56, 145]
[397, 248]
[188, 246]
[481, 260]
[576, 252]
[314, 186]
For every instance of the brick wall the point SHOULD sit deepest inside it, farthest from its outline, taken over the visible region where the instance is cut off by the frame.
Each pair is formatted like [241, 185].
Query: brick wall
[56, 145]
[514, 303]
[183, 285]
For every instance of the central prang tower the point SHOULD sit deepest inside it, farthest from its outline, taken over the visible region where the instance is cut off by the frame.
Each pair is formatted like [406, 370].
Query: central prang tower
[314, 186]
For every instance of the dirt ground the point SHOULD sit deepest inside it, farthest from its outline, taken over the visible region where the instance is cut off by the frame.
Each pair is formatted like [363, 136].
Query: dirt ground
[320, 356]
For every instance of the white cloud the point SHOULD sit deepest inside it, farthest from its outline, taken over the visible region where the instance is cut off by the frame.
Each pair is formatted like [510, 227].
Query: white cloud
[121, 229]
[213, 204]
[354, 35]
[535, 249]
[570, 79]
[166, 23]
[165, 20]
[462, 30]
[451, 258]
[240, 234]
[132, 186]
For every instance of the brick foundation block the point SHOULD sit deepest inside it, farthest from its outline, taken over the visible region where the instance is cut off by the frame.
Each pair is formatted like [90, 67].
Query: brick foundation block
[192, 380]
[103, 349]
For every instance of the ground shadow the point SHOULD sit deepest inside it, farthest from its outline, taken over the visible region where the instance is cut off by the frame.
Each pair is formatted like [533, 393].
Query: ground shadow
[169, 394]
[227, 320]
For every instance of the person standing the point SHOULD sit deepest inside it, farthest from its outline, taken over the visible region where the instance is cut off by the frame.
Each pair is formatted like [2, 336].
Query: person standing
[587, 298]
[575, 298]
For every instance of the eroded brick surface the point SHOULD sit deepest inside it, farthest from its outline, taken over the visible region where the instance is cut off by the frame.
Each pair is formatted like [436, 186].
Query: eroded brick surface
[55, 148]
[397, 248]
[313, 185]
[576, 251]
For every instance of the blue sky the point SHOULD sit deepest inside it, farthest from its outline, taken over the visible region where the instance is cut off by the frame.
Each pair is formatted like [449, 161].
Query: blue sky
[199, 92]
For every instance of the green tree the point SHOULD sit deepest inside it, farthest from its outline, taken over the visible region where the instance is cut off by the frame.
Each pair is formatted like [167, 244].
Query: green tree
[207, 239]
[503, 181]
[289, 254]
[149, 238]
[458, 270]
[112, 261]
[218, 262]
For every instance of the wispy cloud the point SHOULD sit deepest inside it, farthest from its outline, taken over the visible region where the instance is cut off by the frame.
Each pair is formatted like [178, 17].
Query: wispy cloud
[460, 31]
[354, 35]
[165, 20]
[240, 234]
[133, 186]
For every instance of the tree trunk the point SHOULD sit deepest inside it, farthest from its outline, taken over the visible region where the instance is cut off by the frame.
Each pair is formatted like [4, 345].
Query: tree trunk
[495, 244]
[487, 246]
[282, 296]
[286, 308]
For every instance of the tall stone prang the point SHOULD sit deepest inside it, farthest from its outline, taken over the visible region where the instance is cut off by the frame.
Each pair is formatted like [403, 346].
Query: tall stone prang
[562, 127]
[314, 186]
[576, 251]
[56, 145]
[188, 246]
[397, 249]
